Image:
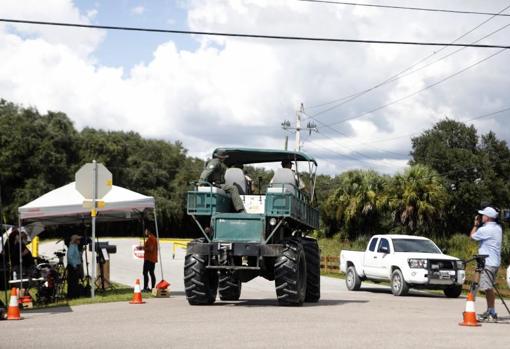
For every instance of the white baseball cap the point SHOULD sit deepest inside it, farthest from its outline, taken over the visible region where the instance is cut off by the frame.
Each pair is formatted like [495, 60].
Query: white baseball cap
[489, 212]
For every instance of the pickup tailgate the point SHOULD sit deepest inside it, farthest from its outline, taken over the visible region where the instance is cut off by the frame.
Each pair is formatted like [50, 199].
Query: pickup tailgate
[352, 257]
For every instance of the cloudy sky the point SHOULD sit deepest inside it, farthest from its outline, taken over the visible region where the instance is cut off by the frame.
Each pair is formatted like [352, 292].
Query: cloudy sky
[211, 91]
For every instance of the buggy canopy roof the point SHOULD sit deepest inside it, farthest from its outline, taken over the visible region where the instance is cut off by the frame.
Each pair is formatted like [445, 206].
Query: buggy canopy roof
[64, 205]
[241, 156]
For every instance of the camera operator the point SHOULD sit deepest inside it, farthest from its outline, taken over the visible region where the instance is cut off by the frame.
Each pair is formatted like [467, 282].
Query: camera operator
[489, 234]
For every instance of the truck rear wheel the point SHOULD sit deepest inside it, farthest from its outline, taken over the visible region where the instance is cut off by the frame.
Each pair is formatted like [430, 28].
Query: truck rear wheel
[313, 270]
[200, 283]
[453, 291]
[229, 287]
[290, 274]
[352, 279]
[399, 286]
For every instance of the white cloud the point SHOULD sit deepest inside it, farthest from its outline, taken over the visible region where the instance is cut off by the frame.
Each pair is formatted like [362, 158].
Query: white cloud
[82, 41]
[91, 14]
[138, 10]
[237, 92]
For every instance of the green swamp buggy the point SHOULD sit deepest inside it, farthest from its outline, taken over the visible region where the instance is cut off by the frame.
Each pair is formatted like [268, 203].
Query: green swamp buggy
[268, 239]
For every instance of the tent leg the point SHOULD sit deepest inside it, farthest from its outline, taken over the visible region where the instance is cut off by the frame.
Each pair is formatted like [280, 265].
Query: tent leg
[159, 246]
[20, 256]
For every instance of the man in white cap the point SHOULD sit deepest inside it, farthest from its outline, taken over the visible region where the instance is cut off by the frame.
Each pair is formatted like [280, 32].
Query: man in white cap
[489, 234]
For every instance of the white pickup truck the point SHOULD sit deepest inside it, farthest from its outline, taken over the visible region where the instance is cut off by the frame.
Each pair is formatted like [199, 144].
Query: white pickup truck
[407, 262]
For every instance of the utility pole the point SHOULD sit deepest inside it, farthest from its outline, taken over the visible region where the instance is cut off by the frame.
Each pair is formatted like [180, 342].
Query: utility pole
[298, 127]
[310, 127]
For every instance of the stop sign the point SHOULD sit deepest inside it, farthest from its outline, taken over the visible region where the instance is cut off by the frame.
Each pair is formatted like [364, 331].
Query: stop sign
[85, 180]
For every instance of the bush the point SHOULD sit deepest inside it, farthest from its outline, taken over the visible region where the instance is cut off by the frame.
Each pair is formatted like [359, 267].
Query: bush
[461, 246]
[505, 249]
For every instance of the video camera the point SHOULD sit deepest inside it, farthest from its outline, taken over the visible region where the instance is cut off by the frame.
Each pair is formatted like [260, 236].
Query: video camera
[505, 215]
[111, 249]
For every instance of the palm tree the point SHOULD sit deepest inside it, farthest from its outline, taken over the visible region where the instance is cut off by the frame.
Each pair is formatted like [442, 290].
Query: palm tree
[356, 204]
[417, 199]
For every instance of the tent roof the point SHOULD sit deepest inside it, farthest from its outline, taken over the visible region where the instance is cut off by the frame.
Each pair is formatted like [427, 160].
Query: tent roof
[65, 205]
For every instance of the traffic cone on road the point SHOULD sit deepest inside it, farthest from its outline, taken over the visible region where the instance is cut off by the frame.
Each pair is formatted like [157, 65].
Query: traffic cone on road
[137, 295]
[470, 313]
[13, 312]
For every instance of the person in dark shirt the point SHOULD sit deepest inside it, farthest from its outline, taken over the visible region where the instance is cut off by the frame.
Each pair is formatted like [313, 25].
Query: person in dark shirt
[214, 173]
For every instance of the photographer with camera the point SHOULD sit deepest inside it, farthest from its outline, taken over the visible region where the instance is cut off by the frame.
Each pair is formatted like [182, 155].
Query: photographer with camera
[489, 234]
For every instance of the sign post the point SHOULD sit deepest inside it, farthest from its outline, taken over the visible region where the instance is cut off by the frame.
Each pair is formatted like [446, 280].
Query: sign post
[93, 181]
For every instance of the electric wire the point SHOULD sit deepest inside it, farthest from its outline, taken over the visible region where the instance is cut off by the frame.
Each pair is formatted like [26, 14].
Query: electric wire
[343, 134]
[406, 72]
[369, 165]
[252, 36]
[394, 7]
[381, 140]
[418, 91]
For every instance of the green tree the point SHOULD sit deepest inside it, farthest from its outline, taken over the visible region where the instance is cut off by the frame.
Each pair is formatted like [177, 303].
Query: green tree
[451, 148]
[356, 206]
[416, 199]
[475, 172]
[37, 154]
[495, 171]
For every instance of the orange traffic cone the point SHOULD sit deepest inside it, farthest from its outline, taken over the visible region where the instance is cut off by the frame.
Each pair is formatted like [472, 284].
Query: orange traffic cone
[13, 312]
[470, 313]
[137, 295]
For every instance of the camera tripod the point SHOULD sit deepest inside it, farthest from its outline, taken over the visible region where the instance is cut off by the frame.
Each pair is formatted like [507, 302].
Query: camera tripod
[61, 277]
[480, 266]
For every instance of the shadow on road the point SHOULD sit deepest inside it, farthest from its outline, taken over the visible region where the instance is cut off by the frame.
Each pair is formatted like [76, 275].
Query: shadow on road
[272, 302]
[59, 309]
[412, 293]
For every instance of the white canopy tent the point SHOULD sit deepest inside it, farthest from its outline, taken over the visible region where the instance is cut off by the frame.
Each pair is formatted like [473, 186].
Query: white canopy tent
[65, 205]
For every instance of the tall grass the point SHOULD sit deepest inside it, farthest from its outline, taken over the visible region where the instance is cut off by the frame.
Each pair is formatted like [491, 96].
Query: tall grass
[332, 246]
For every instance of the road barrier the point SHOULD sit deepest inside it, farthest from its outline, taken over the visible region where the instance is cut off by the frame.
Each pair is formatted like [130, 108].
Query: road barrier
[330, 264]
[137, 294]
[178, 243]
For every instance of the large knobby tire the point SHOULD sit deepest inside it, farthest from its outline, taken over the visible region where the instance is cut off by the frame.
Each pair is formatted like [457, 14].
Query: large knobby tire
[290, 274]
[200, 283]
[352, 279]
[313, 270]
[229, 287]
[453, 291]
[399, 286]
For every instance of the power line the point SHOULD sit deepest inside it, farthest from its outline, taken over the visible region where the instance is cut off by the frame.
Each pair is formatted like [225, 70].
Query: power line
[387, 151]
[483, 116]
[406, 72]
[252, 36]
[355, 151]
[406, 8]
[420, 90]
[346, 155]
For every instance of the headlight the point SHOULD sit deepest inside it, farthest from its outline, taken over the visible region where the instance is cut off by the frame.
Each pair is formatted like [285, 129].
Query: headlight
[460, 265]
[417, 263]
[272, 221]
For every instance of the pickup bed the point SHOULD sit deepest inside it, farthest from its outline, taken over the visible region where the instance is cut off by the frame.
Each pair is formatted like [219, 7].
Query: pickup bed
[407, 262]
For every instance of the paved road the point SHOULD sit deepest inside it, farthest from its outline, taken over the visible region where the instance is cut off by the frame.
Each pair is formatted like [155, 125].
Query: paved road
[369, 318]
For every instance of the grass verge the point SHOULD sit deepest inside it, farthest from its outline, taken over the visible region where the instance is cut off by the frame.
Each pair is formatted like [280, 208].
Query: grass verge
[119, 293]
